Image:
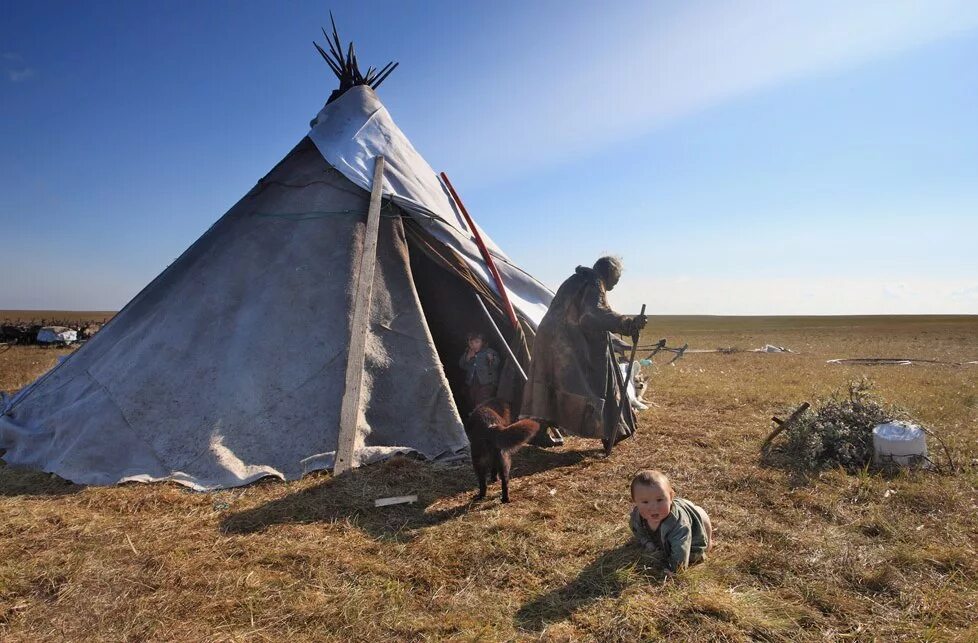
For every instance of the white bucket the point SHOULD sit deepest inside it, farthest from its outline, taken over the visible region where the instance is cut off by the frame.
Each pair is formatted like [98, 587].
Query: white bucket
[899, 442]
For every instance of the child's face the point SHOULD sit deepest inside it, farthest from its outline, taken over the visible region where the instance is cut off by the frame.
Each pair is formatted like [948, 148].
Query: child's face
[475, 344]
[653, 502]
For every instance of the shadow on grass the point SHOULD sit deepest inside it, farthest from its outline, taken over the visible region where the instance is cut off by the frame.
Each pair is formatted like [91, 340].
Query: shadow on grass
[17, 482]
[605, 577]
[350, 497]
[802, 474]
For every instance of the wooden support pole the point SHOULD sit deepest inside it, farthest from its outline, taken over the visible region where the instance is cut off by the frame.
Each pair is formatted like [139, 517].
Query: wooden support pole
[350, 407]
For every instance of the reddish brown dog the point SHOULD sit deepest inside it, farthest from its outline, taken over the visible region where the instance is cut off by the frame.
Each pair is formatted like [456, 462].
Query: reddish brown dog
[494, 440]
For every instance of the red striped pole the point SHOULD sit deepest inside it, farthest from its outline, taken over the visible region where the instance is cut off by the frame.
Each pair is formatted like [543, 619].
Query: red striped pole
[510, 312]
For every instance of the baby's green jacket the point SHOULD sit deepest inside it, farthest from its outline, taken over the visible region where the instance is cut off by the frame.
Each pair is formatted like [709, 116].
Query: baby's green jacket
[682, 536]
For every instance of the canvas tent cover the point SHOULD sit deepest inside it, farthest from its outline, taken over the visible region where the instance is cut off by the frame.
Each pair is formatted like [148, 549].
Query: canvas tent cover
[166, 392]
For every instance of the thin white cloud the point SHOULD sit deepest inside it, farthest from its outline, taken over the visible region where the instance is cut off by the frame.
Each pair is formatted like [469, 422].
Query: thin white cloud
[15, 68]
[20, 75]
[636, 67]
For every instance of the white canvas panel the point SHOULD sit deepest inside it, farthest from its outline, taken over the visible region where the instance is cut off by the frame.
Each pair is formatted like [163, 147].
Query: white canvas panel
[355, 128]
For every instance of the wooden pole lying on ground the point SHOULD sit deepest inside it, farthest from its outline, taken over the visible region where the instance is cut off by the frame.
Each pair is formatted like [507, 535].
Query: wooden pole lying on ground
[486, 255]
[612, 433]
[350, 406]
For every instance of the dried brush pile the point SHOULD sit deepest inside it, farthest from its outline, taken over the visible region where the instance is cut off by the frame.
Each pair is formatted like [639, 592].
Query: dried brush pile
[836, 433]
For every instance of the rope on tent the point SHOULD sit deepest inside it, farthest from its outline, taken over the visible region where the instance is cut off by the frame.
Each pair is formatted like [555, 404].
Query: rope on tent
[323, 214]
[388, 207]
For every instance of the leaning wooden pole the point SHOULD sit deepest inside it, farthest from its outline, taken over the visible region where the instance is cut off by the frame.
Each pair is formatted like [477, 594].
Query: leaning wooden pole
[486, 255]
[783, 425]
[611, 434]
[499, 336]
[347, 442]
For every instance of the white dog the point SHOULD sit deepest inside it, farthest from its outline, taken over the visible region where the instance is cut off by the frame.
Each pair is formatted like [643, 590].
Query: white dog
[635, 387]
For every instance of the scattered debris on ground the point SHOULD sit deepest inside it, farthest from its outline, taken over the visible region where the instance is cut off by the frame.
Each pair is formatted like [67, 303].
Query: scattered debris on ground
[723, 350]
[892, 361]
[771, 348]
[396, 500]
[730, 350]
[661, 347]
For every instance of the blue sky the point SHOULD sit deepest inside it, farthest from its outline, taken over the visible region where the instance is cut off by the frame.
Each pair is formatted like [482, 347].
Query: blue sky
[742, 157]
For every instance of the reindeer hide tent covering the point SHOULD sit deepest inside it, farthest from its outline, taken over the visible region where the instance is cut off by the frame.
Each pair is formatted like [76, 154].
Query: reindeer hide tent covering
[166, 392]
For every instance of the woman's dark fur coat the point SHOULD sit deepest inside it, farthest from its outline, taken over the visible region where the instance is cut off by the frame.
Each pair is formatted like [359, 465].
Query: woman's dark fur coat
[570, 380]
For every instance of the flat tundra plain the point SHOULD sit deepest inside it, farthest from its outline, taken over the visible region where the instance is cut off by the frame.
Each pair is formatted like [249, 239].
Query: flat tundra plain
[833, 556]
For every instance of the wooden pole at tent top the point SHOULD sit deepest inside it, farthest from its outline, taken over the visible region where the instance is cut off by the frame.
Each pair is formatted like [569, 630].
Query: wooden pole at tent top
[349, 436]
[486, 255]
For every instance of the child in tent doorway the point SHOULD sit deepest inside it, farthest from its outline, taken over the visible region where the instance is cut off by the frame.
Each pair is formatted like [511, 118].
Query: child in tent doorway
[481, 366]
[672, 527]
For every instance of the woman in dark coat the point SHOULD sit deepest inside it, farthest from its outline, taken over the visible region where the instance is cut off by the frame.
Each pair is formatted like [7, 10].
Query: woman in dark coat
[571, 382]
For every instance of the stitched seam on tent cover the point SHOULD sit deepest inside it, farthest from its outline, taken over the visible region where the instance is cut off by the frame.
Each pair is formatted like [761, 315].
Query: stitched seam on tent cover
[322, 214]
[263, 409]
[193, 459]
[21, 395]
[108, 394]
[265, 184]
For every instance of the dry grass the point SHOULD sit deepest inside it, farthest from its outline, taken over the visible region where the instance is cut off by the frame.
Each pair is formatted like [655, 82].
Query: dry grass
[20, 365]
[833, 557]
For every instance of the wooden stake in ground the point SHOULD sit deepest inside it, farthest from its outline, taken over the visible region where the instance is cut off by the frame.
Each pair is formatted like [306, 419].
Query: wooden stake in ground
[350, 406]
[612, 432]
[784, 424]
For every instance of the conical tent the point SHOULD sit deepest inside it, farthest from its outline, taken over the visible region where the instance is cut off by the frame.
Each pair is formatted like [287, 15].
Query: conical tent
[230, 365]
